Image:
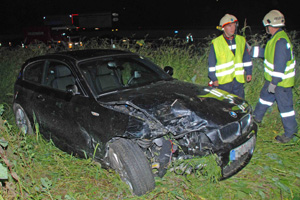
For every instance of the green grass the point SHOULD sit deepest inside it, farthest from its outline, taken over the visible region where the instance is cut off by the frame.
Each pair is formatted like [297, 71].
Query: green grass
[45, 172]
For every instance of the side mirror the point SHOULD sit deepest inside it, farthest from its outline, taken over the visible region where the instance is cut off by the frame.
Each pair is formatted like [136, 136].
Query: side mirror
[72, 89]
[169, 70]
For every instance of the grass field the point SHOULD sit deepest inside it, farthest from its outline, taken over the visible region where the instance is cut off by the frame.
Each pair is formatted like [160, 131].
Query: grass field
[36, 169]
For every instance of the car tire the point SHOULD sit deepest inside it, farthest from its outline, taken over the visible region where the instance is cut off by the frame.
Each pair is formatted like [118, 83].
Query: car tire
[129, 161]
[22, 120]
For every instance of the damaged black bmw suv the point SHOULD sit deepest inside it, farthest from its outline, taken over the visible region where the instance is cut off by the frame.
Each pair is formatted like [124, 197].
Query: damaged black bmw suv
[130, 115]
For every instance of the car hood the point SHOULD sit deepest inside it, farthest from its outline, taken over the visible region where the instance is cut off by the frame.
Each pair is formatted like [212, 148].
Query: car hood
[178, 106]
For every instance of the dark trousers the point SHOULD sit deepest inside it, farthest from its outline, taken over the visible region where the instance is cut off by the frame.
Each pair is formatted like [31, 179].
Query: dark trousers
[234, 87]
[284, 99]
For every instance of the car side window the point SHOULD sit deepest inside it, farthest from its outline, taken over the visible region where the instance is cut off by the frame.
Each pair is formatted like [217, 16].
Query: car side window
[135, 73]
[34, 72]
[59, 76]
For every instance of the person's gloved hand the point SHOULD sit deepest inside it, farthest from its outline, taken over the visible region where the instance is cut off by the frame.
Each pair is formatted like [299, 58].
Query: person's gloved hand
[271, 88]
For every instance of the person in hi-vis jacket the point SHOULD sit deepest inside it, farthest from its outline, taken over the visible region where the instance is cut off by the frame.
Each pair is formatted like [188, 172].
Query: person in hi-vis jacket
[279, 73]
[229, 59]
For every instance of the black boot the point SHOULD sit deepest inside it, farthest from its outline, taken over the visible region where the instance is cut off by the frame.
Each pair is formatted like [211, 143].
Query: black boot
[282, 138]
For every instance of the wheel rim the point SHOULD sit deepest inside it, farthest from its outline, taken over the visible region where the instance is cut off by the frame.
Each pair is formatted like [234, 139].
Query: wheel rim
[117, 164]
[21, 121]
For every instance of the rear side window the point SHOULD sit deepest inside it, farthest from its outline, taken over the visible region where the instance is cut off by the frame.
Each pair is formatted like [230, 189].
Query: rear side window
[58, 76]
[34, 72]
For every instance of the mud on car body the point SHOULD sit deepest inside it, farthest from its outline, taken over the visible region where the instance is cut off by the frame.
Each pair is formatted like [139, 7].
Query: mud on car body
[130, 115]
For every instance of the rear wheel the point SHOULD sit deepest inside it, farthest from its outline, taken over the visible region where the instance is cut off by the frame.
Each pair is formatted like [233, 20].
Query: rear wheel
[129, 161]
[22, 120]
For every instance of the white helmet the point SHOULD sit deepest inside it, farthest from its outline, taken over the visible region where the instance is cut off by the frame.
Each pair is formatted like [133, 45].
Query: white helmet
[274, 18]
[227, 19]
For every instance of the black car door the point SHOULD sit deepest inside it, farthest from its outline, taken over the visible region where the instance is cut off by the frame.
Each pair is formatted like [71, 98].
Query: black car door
[27, 86]
[55, 106]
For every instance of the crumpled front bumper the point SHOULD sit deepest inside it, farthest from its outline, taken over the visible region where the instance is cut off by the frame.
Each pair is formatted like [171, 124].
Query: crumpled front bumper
[238, 157]
[233, 144]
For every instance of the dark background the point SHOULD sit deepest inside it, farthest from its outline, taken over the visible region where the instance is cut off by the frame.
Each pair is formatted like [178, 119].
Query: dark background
[16, 14]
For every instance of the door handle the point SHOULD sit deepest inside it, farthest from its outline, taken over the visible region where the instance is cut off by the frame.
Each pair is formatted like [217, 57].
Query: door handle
[40, 97]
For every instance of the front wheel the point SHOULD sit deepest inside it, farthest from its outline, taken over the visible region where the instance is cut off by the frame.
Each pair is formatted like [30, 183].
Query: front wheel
[22, 120]
[129, 161]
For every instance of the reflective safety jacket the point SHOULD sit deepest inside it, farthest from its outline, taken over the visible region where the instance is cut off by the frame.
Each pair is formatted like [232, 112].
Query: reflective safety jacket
[229, 66]
[288, 77]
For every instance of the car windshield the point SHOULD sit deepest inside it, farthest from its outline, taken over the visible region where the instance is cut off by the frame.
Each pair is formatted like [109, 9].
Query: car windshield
[115, 73]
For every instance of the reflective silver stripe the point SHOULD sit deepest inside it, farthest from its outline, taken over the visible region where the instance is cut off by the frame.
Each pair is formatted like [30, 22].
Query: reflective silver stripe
[287, 114]
[277, 25]
[247, 64]
[225, 65]
[255, 52]
[269, 64]
[211, 69]
[225, 72]
[230, 96]
[274, 74]
[239, 72]
[289, 75]
[291, 66]
[237, 65]
[288, 45]
[268, 103]
[277, 74]
[280, 75]
[216, 93]
[229, 64]
[231, 47]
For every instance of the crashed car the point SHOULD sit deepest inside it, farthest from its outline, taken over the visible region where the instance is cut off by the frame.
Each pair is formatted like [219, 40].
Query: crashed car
[130, 115]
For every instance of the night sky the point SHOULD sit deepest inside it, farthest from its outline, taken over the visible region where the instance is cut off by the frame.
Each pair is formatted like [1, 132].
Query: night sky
[16, 14]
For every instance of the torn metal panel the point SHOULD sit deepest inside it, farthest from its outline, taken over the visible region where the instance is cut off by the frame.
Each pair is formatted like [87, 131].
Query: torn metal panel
[141, 124]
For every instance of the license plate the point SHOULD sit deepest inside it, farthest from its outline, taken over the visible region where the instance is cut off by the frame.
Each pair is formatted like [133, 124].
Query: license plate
[247, 147]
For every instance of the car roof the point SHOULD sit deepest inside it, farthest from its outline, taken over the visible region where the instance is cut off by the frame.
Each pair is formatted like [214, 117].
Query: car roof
[80, 55]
